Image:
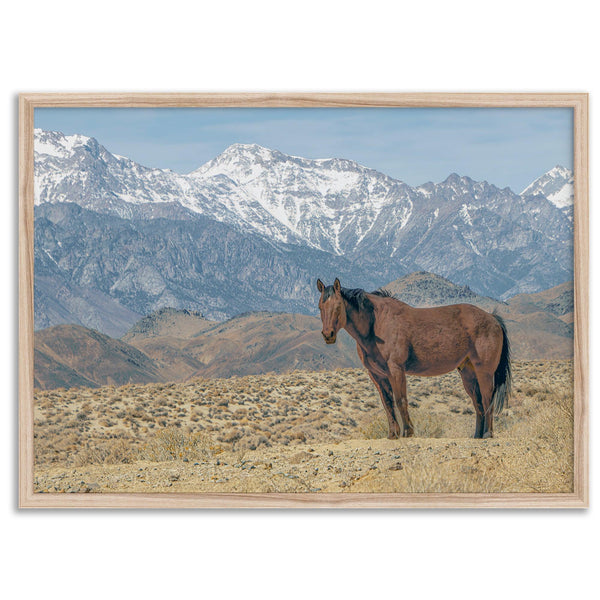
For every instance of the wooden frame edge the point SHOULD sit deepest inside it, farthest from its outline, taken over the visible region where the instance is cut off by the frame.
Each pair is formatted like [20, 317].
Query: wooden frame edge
[302, 99]
[579, 102]
[305, 500]
[25, 371]
[581, 298]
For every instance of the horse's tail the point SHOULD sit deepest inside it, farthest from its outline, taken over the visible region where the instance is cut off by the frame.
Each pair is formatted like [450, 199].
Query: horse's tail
[503, 374]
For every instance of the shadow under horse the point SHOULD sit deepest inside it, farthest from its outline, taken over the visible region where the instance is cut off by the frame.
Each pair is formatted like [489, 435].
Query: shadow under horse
[394, 339]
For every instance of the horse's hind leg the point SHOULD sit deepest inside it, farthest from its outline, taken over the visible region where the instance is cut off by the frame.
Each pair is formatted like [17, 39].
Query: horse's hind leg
[469, 379]
[398, 383]
[486, 387]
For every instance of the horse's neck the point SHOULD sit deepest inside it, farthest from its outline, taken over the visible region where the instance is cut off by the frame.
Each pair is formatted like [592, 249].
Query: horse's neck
[358, 326]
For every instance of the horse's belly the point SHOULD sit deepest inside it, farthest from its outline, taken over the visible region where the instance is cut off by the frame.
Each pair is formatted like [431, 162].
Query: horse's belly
[430, 370]
[431, 364]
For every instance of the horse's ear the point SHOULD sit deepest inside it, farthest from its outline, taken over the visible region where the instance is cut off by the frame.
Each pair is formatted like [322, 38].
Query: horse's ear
[337, 286]
[320, 285]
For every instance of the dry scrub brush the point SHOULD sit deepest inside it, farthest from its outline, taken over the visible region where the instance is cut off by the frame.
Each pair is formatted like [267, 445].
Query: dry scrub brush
[175, 444]
[195, 421]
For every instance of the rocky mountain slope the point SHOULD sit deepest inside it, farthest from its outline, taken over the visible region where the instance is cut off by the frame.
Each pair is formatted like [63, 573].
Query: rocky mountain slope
[264, 224]
[172, 345]
[424, 289]
[558, 301]
[180, 324]
[249, 344]
[252, 343]
[71, 355]
[133, 267]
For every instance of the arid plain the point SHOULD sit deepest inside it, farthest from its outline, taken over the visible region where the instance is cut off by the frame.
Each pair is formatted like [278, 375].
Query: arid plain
[303, 431]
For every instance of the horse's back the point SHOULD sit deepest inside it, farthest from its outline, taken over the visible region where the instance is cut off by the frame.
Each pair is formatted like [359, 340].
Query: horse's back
[467, 315]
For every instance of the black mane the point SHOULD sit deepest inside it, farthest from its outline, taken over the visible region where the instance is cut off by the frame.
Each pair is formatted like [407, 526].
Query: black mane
[359, 301]
[384, 293]
[357, 298]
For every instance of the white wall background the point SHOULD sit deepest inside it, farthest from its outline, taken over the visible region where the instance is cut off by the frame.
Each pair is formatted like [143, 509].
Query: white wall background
[295, 46]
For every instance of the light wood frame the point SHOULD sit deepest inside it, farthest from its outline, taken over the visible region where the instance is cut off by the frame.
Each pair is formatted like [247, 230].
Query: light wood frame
[579, 498]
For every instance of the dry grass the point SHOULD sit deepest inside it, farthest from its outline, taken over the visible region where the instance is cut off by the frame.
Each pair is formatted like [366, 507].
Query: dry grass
[305, 431]
[174, 444]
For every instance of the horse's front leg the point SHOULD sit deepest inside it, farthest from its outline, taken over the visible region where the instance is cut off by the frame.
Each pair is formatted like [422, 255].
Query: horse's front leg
[385, 392]
[398, 383]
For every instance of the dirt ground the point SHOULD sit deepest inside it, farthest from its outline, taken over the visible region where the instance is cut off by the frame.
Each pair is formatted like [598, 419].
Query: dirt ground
[303, 432]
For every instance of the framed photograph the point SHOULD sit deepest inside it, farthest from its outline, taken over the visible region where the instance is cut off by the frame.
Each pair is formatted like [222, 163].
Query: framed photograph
[303, 300]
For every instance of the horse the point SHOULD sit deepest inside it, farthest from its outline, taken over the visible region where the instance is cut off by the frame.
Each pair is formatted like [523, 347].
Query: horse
[394, 339]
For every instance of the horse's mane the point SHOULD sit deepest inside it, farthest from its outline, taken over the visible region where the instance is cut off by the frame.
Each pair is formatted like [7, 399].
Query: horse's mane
[385, 293]
[359, 301]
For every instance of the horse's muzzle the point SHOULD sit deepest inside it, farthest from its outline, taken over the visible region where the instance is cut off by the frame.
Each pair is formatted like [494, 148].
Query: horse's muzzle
[329, 339]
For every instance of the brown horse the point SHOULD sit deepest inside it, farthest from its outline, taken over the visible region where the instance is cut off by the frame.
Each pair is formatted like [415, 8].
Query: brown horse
[394, 339]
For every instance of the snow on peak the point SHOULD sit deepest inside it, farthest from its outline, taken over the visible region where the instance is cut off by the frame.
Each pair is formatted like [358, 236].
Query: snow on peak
[238, 157]
[556, 185]
[560, 171]
[251, 151]
[55, 143]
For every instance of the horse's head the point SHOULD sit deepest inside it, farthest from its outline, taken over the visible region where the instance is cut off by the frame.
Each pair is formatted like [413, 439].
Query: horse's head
[333, 309]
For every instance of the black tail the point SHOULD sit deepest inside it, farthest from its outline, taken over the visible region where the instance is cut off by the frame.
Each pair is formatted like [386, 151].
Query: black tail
[503, 374]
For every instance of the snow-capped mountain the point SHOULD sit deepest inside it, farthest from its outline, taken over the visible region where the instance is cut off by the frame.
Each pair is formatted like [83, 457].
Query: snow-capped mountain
[282, 218]
[78, 169]
[326, 204]
[557, 186]
[331, 204]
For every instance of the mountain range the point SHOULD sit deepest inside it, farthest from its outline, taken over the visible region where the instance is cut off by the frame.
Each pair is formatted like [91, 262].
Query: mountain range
[176, 345]
[253, 228]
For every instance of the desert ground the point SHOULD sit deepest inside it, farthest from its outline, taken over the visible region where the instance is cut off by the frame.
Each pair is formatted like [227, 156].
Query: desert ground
[303, 431]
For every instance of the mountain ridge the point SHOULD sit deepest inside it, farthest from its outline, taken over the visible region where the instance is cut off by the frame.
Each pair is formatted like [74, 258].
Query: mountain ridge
[172, 345]
[325, 216]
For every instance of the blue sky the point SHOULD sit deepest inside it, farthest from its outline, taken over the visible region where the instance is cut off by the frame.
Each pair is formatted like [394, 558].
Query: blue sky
[505, 146]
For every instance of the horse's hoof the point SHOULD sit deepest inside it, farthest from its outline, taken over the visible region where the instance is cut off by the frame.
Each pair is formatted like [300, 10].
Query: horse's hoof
[487, 435]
